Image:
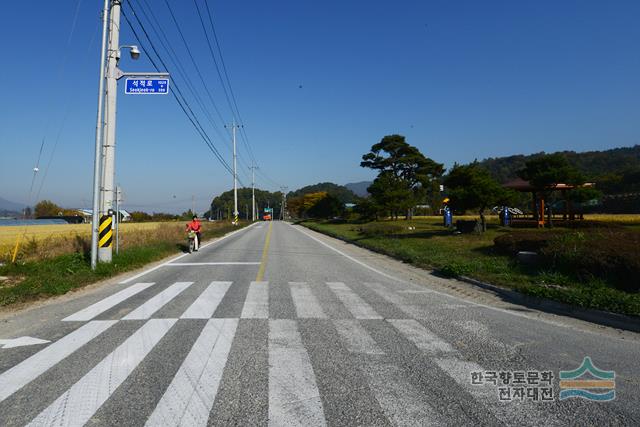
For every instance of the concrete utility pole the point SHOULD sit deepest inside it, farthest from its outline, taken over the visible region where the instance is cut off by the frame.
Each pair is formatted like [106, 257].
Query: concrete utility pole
[109, 143]
[235, 175]
[98, 146]
[104, 167]
[117, 223]
[253, 191]
[284, 202]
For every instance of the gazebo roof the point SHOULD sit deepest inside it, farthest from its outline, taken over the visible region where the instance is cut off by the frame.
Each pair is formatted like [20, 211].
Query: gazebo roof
[520, 184]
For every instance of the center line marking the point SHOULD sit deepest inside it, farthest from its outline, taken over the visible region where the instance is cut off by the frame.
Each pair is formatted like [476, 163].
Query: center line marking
[265, 254]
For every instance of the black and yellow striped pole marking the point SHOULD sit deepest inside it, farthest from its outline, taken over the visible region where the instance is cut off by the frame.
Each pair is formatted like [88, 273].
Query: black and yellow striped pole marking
[105, 231]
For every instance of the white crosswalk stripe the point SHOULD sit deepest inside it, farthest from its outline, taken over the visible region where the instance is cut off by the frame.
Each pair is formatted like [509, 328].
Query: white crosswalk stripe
[356, 305]
[190, 396]
[294, 399]
[23, 373]
[207, 302]
[147, 309]
[401, 402]
[356, 338]
[78, 404]
[256, 305]
[424, 339]
[307, 305]
[107, 303]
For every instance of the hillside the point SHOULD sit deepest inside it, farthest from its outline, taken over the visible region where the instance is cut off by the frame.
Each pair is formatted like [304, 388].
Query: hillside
[342, 193]
[359, 188]
[8, 208]
[614, 171]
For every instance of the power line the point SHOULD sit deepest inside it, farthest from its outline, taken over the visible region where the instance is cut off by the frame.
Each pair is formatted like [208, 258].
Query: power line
[231, 102]
[179, 97]
[173, 56]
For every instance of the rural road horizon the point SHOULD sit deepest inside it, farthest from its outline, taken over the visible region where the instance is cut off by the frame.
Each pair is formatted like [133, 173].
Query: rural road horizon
[277, 325]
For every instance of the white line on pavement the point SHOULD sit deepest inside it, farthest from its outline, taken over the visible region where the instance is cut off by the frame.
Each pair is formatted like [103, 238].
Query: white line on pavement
[256, 305]
[107, 303]
[356, 337]
[157, 302]
[195, 264]
[294, 398]
[356, 305]
[488, 307]
[307, 305]
[424, 339]
[29, 369]
[207, 302]
[78, 404]
[401, 402]
[124, 282]
[190, 396]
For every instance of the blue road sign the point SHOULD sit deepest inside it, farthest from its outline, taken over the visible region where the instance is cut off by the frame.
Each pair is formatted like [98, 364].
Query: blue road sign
[150, 86]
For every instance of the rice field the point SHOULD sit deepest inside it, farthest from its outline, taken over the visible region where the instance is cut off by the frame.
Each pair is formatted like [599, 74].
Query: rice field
[57, 235]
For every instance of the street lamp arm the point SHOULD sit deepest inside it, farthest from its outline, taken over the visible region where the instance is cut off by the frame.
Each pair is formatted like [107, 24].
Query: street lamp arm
[120, 74]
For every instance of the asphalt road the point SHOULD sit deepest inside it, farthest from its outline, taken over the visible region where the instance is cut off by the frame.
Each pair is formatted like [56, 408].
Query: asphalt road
[278, 325]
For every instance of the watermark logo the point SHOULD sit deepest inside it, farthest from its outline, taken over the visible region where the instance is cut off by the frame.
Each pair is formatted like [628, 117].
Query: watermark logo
[599, 385]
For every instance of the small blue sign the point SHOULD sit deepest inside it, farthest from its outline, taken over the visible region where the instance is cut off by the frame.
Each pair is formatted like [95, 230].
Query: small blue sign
[140, 86]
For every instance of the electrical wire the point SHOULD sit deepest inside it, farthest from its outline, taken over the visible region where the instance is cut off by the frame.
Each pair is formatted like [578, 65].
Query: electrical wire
[179, 97]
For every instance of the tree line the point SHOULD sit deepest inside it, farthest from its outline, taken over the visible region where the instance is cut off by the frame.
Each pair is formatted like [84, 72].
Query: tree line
[406, 179]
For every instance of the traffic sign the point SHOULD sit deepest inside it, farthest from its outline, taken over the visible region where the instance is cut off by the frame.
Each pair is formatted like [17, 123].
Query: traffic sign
[268, 210]
[150, 86]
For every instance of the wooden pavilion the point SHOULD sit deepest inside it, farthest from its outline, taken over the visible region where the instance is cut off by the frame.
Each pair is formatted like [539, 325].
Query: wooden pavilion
[538, 199]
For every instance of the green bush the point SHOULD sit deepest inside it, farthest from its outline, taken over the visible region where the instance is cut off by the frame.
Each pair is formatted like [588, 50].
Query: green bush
[379, 229]
[610, 254]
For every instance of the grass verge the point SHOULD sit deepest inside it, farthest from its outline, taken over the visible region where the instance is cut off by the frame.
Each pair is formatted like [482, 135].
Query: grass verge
[426, 244]
[35, 279]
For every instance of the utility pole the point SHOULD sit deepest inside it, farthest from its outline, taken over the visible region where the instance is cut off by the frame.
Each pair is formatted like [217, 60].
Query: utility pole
[284, 202]
[117, 223]
[193, 204]
[253, 191]
[109, 142]
[235, 174]
[98, 145]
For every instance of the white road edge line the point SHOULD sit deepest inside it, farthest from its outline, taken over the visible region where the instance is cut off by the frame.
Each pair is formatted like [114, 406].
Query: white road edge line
[501, 310]
[124, 282]
[194, 264]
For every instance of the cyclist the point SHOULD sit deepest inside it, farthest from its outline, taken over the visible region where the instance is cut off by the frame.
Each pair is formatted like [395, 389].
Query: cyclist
[195, 226]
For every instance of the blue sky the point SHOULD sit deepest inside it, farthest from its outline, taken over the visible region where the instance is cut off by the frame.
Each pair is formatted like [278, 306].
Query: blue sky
[317, 83]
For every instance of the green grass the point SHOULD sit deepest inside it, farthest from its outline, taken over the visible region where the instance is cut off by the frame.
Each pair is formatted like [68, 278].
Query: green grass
[34, 280]
[432, 247]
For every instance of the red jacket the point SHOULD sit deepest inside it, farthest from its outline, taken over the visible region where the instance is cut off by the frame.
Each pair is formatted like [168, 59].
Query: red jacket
[194, 225]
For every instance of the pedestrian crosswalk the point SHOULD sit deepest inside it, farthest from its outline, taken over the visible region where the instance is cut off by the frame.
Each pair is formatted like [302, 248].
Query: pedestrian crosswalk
[295, 394]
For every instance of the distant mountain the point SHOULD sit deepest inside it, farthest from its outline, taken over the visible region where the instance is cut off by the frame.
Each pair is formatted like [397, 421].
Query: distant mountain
[8, 208]
[359, 188]
[341, 192]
